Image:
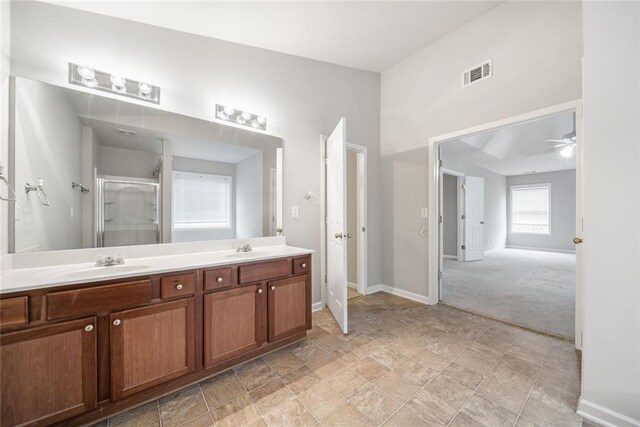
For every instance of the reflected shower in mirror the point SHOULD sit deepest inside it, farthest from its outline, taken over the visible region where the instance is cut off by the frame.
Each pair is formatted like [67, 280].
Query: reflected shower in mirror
[116, 173]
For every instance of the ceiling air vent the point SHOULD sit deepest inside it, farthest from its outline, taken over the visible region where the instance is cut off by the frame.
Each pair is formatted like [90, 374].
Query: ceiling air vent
[477, 73]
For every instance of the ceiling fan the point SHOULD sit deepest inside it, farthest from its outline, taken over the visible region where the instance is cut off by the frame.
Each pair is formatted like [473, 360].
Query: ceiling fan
[568, 142]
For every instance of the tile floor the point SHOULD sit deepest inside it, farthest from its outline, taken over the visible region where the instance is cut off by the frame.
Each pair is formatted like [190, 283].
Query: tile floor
[403, 364]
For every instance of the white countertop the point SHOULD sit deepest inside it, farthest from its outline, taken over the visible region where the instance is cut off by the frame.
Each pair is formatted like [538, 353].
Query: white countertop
[24, 279]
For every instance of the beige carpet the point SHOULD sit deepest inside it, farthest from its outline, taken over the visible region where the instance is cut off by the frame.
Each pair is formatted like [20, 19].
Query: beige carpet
[530, 288]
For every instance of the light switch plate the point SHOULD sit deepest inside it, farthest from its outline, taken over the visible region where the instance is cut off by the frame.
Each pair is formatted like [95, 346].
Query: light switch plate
[295, 212]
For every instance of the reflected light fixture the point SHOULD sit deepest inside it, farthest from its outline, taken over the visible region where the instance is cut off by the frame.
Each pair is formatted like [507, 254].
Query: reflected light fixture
[239, 117]
[567, 151]
[82, 75]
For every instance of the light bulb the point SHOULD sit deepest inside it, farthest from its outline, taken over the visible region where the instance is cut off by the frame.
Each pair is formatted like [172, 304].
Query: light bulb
[144, 89]
[118, 84]
[261, 120]
[86, 73]
[246, 116]
[567, 151]
[240, 119]
[255, 123]
[229, 111]
[222, 115]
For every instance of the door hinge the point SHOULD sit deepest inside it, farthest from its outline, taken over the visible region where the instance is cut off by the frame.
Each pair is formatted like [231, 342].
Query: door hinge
[463, 247]
[462, 216]
[440, 163]
[440, 219]
[464, 186]
[439, 275]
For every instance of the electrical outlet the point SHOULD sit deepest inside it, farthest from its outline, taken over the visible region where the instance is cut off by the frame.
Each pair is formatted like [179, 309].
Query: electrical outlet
[295, 212]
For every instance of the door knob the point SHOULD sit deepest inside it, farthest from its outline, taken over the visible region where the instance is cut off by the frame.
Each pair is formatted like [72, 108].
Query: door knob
[338, 235]
[349, 235]
[116, 322]
[481, 222]
[577, 240]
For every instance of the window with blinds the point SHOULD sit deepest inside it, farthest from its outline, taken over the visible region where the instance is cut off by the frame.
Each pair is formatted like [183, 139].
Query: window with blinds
[201, 200]
[530, 207]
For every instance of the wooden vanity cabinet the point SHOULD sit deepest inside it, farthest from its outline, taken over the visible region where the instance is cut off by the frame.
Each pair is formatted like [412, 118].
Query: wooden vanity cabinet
[48, 373]
[288, 304]
[151, 345]
[233, 323]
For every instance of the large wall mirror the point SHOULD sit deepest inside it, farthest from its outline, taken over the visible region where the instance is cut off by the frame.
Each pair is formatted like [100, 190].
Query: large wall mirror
[93, 171]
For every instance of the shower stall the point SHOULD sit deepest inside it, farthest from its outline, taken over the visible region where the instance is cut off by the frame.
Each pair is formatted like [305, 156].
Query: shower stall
[127, 211]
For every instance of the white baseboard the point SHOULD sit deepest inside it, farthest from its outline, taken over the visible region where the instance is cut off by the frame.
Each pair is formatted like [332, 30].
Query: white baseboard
[449, 256]
[398, 292]
[531, 248]
[352, 285]
[317, 306]
[605, 416]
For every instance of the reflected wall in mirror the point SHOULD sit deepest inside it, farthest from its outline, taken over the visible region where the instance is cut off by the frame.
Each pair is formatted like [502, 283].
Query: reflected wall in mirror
[146, 175]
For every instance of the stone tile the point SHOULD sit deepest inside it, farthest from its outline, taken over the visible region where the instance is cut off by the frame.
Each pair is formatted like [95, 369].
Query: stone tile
[301, 380]
[464, 420]
[531, 355]
[399, 388]
[370, 369]
[307, 351]
[255, 373]
[488, 413]
[568, 380]
[221, 389]
[388, 357]
[270, 395]
[462, 375]
[550, 406]
[346, 416]
[522, 366]
[237, 412]
[375, 404]
[447, 346]
[506, 387]
[348, 383]
[183, 405]
[405, 417]
[431, 360]
[415, 372]
[322, 400]
[475, 362]
[450, 392]
[203, 420]
[430, 409]
[290, 413]
[503, 332]
[283, 361]
[327, 366]
[145, 415]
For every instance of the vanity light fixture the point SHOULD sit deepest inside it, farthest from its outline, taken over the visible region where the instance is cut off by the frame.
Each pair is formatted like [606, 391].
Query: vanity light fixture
[85, 76]
[243, 118]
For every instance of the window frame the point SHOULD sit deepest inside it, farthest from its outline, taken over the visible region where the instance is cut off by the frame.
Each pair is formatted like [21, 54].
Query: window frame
[510, 207]
[200, 226]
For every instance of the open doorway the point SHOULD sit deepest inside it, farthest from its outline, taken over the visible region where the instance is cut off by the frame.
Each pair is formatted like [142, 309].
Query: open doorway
[509, 203]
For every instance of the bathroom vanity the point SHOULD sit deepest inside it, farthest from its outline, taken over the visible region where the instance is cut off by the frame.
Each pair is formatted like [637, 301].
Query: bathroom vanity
[76, 349]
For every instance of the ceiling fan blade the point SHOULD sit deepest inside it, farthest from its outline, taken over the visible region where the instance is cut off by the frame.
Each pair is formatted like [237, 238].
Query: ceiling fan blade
[562, 141]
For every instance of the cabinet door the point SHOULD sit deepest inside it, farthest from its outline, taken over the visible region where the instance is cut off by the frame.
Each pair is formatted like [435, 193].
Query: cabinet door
[289, 307]
[151, 345]
[48, 373]
[232, 323]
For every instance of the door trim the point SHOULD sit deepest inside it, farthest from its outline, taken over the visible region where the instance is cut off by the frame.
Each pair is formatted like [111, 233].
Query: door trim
[363, 277]
[434, 253]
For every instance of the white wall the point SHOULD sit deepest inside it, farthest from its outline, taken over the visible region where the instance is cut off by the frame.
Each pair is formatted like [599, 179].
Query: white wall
[563, 211]
[124, 162]
[90, 162]
[352, 216]
[301, 98]
[205, 166]
[48, 145]
[495, 199]
[450, 215]
[536, 49]
[611, 346]
[5, 63]
[249, 197]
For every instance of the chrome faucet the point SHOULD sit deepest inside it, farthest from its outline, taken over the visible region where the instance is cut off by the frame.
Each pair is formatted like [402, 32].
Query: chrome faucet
[107, 261]
[244, 248]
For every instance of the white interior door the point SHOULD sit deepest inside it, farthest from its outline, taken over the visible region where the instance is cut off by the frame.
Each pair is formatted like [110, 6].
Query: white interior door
[336, 224]
[473, 218]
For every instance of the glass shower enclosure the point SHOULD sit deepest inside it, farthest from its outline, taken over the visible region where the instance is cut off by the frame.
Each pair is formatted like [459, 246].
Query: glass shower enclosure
[127, 211]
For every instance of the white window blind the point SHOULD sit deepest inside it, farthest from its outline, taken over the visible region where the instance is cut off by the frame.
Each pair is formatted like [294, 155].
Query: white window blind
[530, 205]
[201, 200]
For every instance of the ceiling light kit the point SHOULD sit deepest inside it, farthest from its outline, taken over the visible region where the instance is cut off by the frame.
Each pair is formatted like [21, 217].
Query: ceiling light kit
[239, 117]
[86, 76]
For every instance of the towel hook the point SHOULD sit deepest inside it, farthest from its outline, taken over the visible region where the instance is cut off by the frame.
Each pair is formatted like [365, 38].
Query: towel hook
[11, 193]
[38, 188]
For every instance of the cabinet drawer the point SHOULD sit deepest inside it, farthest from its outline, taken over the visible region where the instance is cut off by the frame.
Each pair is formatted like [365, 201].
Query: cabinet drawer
[98, 299]
[177, 286]
[218, 278]
[263, 271]
[301, 265]
[13, 312]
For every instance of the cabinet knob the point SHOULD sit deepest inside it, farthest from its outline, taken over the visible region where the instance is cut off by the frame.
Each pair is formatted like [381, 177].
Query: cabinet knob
[260, 290]
[88, 328]
[179, 286]
[117, 322]
[304, 265]
[273, 288]
[219, 280]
